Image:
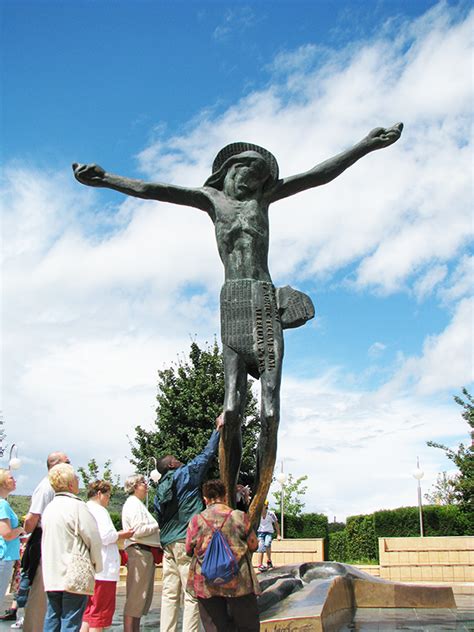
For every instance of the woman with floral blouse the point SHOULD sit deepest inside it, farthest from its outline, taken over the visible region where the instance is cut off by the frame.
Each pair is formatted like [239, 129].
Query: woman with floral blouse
[231, 606]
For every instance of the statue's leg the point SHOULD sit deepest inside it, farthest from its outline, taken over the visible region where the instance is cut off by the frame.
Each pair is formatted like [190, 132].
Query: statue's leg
[270, 381]
[230, 448]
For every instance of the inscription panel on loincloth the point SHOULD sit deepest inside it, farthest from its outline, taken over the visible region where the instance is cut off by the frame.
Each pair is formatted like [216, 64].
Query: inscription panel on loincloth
[250, 322]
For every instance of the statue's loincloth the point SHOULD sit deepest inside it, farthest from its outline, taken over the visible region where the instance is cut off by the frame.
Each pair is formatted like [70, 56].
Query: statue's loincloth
[253, 315]
[250, 323]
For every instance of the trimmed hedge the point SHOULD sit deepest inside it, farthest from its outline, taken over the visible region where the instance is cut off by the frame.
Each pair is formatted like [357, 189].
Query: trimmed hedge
[362, 532]
[437, 520]
[310, 525]
[338, 546]
[362, 542]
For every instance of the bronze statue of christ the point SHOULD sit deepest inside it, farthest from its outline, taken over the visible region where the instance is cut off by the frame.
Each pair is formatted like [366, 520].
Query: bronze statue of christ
[237, 196]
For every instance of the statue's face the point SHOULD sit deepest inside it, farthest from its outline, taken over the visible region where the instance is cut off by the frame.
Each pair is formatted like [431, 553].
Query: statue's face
[246, 177]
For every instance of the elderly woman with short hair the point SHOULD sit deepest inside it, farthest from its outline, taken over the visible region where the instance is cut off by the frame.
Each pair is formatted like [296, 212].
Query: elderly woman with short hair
[68, 526]
[101, 606]
[10, 533]
[141, 564]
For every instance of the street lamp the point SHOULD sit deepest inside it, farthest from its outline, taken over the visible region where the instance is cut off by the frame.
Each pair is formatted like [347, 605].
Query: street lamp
[154, 474]
[281, 478]
[418, 474]
[14, 462]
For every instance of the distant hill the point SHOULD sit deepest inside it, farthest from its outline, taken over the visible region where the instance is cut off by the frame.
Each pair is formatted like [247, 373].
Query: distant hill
[20, 504]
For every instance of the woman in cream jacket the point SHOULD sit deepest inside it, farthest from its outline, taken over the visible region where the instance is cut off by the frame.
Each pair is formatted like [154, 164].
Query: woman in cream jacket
[67, 524]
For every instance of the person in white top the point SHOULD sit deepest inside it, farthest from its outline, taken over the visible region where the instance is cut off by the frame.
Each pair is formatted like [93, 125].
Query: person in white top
[265, 531]
[101, 605]
[139, 547]
[68, 529]
[35, 608]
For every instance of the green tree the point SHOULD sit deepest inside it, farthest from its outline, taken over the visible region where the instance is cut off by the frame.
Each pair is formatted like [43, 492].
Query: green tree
[91, 473]
[443, 492]
[294, 490]
[190, 397]
[463, 456]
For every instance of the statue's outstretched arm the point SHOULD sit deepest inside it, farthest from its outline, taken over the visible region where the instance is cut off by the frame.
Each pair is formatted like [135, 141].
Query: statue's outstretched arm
[330, 169]
[95, 176]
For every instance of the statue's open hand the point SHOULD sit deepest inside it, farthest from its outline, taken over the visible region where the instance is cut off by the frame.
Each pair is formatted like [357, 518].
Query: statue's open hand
[383, 137]
[92, 175]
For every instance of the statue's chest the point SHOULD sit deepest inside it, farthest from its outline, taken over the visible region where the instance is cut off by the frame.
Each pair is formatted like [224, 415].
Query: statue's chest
[241, 217]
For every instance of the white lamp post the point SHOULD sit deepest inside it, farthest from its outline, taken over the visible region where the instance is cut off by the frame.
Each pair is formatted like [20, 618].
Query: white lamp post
[281, 478]
[418, 474]
[154, 474]
[14, 462]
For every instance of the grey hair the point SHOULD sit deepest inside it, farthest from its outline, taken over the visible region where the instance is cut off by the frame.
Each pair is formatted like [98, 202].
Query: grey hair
[131, 482]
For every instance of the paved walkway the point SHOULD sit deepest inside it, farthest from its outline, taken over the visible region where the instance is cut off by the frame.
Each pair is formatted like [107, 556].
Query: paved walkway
[365, 620]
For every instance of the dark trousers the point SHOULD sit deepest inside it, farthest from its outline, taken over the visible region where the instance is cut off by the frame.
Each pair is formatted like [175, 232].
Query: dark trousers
[229, 614]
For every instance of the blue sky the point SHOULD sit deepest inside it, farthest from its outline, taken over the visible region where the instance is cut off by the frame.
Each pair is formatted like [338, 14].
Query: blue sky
[99, 291]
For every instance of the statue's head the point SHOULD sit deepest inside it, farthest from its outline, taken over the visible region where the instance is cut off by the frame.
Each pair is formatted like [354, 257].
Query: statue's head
[256, 164]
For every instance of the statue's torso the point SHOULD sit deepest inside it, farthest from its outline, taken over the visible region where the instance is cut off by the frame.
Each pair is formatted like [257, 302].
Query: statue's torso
[242, 235]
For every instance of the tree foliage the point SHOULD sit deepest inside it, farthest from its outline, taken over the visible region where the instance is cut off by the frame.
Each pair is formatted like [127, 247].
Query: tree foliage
[293, 492]
[190, 398]
[463, 456]
[443, 492]
[91, 473]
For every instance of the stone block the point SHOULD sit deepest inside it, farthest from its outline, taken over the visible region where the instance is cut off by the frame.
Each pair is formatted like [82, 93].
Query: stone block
[458, 572]
[469, 573]
[426, 573]
[437, 572]
[394, 595]
[416, 573]
[405, 573]
[448, 574]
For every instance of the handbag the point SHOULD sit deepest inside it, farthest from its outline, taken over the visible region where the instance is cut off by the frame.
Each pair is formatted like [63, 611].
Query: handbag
[79, 577]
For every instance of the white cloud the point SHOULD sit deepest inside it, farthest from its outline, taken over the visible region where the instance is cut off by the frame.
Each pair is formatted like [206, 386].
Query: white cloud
[446, 361]
[359, 448]
[459, 284]
[424, 285]
[376, 349]
[235, 20]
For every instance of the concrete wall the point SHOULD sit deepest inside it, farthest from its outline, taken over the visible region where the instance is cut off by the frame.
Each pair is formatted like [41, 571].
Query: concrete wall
[296, 551]
[430, 559]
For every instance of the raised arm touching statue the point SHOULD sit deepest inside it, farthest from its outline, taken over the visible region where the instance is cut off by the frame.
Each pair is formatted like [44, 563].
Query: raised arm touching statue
[237, 195]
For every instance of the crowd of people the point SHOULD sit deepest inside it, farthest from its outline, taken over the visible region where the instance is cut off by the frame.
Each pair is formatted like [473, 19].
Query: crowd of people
[67, 579]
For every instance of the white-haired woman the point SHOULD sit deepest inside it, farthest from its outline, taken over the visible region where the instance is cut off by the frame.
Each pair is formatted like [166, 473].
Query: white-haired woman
[10, 533]
[101, 606]
[68, 528]
[141, 564]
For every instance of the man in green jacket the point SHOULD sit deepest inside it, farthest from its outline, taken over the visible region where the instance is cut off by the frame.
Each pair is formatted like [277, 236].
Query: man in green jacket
[178, 498]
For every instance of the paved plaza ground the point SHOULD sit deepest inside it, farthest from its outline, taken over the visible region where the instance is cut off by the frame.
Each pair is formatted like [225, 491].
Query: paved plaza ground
[366, 619]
